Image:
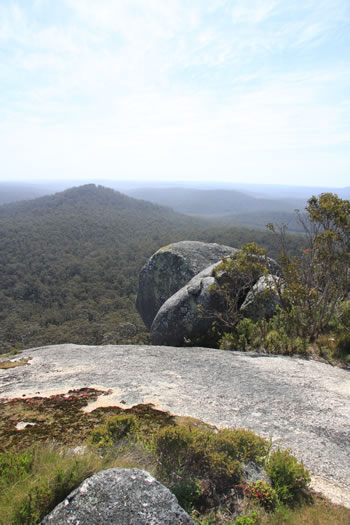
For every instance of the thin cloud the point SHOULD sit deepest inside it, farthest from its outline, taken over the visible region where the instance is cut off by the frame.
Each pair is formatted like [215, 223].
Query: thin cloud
[181, 86]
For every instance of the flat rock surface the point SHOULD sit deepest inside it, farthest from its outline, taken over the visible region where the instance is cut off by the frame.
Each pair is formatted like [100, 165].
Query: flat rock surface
[304, 405]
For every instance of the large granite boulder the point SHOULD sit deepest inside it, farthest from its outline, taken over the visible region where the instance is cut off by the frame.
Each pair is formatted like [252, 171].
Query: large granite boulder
[169, 269]
[187, 316]
[119, 496]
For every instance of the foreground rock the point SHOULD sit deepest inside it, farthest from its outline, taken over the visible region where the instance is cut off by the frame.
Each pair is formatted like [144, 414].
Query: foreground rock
[120, 496]
[170, 268]
[301, 404]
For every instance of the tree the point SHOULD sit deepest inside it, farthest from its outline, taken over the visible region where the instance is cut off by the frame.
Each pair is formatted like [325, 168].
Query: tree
[236, 276]
[317, 281]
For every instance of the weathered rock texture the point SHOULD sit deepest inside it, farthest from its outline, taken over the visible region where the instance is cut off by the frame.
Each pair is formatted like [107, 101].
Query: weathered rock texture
[176, 296]
[262, 299]
[169, 269]
[188, 314]
[120, 497]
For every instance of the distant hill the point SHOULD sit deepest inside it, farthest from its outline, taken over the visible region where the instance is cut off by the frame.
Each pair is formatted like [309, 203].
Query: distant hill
[213, 202]
[69, 264]
[285, 191]
[13, 192]
[260, 219]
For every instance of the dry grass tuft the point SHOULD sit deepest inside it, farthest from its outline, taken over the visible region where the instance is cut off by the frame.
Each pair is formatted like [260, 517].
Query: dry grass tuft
[13, 364]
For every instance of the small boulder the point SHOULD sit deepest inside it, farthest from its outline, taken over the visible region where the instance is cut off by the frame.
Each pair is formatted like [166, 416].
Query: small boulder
[169, 269]
[253, 472]
[119, 496]
[262, 299]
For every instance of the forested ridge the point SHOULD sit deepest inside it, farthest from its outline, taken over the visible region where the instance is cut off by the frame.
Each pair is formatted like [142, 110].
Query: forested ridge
[69, 264]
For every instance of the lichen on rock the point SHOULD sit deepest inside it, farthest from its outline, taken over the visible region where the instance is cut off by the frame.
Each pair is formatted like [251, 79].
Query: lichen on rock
[120, 496]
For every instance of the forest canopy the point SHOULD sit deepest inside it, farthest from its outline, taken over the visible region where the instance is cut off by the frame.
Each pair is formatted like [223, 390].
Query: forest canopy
[69, 264]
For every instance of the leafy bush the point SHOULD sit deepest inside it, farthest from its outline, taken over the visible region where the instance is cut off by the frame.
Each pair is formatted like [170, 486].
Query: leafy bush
[276, 342]
[188, 492]
[228, 342]
[263, 494]
[312, 288]
[195, 452]
[289, 478]
[241, 444]
[251, 519]
[115, 429]
[245, 334]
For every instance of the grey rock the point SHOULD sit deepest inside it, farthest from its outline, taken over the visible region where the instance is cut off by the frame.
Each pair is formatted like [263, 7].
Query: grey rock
[170, 268]
[262, 299]
[253, 472]
[120, 497]
[189, 313]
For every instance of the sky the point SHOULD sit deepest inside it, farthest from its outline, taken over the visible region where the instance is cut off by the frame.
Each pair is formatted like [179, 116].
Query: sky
[253, 91]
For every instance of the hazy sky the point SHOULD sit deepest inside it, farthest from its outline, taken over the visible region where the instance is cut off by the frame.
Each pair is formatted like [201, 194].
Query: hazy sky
[219, 90]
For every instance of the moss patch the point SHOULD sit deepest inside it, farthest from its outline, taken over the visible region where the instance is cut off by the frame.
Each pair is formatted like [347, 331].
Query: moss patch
[60, 418]
[10, 354]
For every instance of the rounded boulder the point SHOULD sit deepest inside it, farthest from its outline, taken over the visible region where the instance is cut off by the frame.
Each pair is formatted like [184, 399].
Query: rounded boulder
[171, 268]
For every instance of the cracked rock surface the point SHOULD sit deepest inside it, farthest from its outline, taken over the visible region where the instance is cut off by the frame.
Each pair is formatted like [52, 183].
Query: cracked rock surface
[119, 496]
[302, 404]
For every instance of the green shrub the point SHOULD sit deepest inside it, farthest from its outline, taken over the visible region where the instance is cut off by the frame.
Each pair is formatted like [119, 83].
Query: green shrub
[115, 429]
[14, 467]
[247, 519]
[343, 347]
[289, 478]
[341, 320]
[194, 453]
[263, 494]
[276, 342]
[299, 346]
[228, 342]
[188, 492]
[241, 444]
[246, 334]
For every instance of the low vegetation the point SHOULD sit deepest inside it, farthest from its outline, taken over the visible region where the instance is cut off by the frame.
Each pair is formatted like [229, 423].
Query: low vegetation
[312, 289]
[202, 466]
[7, 363]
